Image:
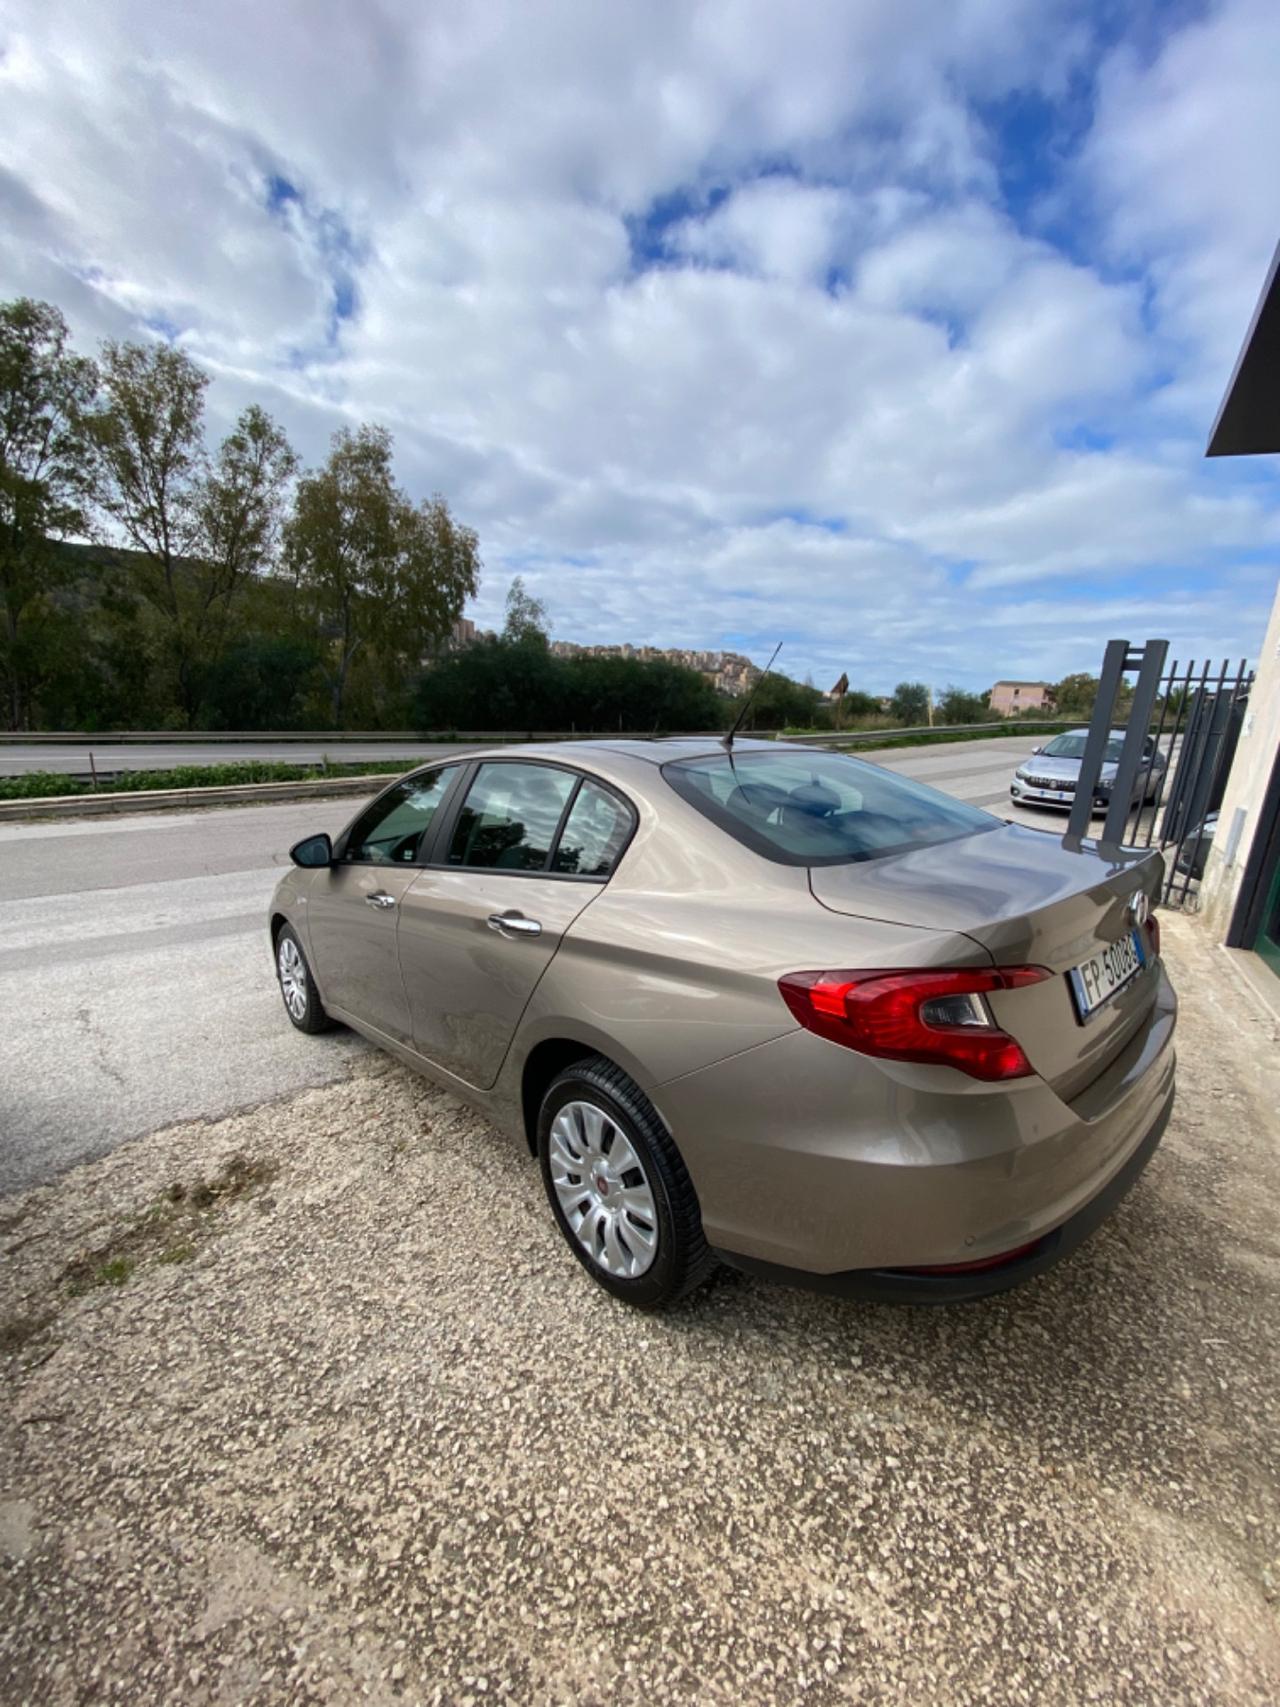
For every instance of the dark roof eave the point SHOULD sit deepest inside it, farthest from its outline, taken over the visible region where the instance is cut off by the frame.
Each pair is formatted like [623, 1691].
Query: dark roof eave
[1248, 422]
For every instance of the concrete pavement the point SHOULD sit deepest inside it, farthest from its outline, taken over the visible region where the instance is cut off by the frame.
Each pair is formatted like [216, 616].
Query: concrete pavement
[135, 980]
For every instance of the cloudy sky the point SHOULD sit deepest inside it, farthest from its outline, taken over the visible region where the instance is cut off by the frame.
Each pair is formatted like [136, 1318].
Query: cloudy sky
[891, 329]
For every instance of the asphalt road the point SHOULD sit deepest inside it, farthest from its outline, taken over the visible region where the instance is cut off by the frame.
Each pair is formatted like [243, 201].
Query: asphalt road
[135, 979]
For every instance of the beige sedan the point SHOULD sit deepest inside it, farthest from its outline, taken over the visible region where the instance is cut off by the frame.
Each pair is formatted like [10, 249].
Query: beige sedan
[755, 1002]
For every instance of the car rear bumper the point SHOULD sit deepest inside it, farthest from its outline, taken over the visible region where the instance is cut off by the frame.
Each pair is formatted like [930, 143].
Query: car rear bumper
[905, 1286]
[807, 1156]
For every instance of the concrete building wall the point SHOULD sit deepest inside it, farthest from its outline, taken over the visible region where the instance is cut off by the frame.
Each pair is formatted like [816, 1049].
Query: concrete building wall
[1008, 697]
[1247, 784]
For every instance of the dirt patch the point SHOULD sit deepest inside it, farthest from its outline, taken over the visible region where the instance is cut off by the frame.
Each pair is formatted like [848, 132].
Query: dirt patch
[168, 1230]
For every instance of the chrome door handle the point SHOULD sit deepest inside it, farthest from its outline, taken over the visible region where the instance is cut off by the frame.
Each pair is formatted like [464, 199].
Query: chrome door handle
[380, 898]
[514, 924]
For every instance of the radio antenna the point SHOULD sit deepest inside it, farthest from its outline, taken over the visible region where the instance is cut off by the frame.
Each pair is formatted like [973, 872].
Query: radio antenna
[726, 741]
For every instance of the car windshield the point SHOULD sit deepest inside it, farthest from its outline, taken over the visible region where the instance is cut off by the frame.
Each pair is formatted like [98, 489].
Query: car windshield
[800, 807]
[1072, 747]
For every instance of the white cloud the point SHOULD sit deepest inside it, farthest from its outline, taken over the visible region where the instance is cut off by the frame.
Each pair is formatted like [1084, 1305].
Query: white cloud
[1182, 161]
[651, 292]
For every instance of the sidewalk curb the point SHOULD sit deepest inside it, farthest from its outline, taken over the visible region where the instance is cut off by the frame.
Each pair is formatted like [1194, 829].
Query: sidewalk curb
[105, 805]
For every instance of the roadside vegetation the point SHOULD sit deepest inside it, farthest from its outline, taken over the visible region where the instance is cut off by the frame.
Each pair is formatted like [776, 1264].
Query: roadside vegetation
[40, 785]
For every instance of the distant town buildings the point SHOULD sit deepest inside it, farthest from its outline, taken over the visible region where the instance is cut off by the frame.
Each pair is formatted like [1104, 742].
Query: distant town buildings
[1008, 698]
[728, 672]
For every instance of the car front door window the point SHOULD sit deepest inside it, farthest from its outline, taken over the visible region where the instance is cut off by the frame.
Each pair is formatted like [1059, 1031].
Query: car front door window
[394, 829]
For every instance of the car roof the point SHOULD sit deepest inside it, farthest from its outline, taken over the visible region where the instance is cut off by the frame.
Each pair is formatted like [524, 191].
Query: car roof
[620, 761]
[659, 750]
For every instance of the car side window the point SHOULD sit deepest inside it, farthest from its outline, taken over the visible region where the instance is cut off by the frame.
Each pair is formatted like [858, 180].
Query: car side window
[392, 831]
[510, 816]
[594, 834]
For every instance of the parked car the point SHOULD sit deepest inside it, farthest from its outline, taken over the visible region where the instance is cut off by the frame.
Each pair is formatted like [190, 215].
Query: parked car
[769, 1004]
[1049, 776]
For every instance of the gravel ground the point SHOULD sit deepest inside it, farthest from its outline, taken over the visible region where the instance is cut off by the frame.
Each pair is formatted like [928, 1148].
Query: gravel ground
[309, 1404]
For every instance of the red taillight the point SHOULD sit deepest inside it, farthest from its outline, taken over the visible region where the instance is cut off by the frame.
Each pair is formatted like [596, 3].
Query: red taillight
[915, 1016]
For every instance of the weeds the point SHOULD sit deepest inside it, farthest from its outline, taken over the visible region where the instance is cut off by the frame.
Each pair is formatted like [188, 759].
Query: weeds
[168, 1231]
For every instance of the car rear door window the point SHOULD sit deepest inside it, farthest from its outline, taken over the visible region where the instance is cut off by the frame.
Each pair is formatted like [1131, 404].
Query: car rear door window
[509, 819]
[393, 830]
[595, 833]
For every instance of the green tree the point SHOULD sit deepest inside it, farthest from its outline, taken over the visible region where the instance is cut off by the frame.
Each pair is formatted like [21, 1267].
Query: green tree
[149, 433]
[526, 616]
[240, 507]
[45, 479]
[958, 705]
[494, 684]
[384, 577]
[200, 526]
[643, 696]
[782, 703]
[1074, 695]
[910, 703]
[513, 685]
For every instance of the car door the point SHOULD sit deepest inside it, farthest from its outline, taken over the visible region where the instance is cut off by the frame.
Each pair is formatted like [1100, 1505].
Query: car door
[527, 849]
[353, 907]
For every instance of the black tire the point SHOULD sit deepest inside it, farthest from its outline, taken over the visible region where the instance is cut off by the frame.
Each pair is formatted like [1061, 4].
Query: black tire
[683, 1259]
[311, 1017]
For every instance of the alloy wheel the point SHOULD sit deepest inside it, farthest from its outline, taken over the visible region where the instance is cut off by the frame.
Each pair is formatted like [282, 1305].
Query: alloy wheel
[293, 976]
[603, 1191]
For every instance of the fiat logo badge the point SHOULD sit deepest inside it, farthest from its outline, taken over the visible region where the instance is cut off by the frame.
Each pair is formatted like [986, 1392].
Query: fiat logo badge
[1139, 908]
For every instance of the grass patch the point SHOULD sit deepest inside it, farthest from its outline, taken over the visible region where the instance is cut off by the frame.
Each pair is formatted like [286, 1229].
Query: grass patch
[933, 738]
[170, 1230]
[114, 1272]
[43, 785]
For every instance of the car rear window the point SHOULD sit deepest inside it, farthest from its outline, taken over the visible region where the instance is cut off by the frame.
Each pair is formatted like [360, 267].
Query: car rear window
[801, 807]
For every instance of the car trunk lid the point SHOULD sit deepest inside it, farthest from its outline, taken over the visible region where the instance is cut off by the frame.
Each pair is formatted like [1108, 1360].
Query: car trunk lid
[1029, 898]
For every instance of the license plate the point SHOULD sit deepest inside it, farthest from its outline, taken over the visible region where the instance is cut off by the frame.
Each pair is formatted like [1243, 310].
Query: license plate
[1099, 978]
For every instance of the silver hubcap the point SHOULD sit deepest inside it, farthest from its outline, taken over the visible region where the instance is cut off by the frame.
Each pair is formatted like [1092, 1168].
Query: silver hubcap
[293, 977]
[603, 1191]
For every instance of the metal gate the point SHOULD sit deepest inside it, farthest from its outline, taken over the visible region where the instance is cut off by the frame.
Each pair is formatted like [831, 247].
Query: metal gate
[1180, 733]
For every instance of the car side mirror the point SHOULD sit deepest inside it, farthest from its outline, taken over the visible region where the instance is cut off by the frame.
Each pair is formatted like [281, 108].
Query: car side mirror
[313, 852]
[1036, 750]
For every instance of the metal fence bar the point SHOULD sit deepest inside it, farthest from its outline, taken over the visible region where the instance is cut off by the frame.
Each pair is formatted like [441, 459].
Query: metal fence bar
[1150, 670]
[1113, 662]
[1214, 747]
[1167, 686]
[1178, 884]
[1181, 731]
